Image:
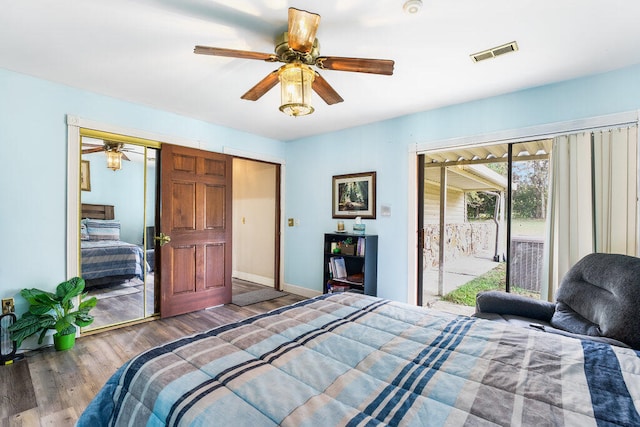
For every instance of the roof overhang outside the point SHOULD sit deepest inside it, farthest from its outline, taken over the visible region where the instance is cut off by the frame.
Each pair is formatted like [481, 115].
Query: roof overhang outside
[466, 166]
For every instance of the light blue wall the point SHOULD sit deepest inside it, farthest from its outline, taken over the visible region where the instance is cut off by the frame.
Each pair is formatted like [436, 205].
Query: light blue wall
[384, 147]
[33, 176]
[311, 163]
[34, 142]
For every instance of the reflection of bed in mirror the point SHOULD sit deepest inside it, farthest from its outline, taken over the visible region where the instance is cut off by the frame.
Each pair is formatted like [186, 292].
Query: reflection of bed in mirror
[105, 259]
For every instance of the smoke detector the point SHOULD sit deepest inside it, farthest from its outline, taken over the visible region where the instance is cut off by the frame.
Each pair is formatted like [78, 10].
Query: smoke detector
[412, 6]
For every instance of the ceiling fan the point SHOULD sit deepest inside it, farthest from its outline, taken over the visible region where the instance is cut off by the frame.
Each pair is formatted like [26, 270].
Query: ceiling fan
[113, 150]
[108, 146]
[299, 49]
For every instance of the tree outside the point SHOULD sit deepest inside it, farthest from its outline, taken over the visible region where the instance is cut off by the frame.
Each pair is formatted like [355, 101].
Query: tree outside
[530, 191]
[531, 181]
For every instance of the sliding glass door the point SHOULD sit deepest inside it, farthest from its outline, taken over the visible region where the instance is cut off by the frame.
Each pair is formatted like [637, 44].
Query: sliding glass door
[482, 213]
[527, 223]
[552, 201]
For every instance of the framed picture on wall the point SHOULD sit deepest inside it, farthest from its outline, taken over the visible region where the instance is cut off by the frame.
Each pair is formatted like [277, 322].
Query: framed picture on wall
[354, 195]
[85, 175]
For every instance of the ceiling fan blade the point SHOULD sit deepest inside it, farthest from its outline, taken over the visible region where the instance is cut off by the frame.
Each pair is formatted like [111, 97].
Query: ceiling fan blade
[92, 150]
[262, 87]
[303, 26]
[233, 53]
[359, 65]
[325, 91]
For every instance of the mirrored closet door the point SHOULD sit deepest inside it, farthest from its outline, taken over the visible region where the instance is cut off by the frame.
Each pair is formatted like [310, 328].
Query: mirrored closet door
[118, 180]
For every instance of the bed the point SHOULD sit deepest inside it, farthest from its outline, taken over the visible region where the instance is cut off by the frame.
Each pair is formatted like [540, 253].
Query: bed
[351, 359]
[105, 259]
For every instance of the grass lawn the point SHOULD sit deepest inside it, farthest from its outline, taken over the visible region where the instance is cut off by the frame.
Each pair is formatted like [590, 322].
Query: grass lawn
[524, 226]
[528, 227]
[491, 280]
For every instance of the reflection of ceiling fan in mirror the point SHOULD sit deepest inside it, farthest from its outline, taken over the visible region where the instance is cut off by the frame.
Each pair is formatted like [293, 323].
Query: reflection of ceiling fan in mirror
[113, 150]
[299, 49]
[107, 146]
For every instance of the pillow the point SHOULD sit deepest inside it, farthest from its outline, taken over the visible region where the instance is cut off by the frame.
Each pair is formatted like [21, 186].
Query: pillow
[103, 229]
[84, 233]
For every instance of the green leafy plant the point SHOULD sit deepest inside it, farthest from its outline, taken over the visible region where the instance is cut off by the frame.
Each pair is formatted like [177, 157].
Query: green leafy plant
[347, 241]
[53, 311]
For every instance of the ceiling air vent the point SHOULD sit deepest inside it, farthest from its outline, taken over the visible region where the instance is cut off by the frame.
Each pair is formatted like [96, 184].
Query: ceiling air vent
[495, 51]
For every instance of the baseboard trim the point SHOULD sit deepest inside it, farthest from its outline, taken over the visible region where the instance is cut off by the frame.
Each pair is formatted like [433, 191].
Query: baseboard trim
[267, 281]
[261, 280]
[299, 290]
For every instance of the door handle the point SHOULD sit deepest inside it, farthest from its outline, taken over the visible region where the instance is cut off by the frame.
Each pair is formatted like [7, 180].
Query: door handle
[162, 239]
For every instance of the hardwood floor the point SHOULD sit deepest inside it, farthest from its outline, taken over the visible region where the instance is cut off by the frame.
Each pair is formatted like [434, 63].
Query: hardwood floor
[50, 388]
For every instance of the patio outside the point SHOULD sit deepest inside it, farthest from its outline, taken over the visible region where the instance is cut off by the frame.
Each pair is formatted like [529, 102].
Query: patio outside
[474, 256]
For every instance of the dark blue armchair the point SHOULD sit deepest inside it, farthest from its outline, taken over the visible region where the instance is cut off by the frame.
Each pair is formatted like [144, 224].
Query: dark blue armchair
[598, 299]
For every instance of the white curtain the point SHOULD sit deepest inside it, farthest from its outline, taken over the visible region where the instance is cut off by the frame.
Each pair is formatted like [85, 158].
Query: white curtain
[570, 224]
[593, 200]
[616, 190]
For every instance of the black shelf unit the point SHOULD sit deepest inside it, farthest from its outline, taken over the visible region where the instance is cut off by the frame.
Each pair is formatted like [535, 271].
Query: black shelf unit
[367, 264]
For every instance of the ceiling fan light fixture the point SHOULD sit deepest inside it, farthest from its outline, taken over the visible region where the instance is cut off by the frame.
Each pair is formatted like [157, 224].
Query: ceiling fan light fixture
[114, 159]
[302, 29]
[299, 49]
[296, 86]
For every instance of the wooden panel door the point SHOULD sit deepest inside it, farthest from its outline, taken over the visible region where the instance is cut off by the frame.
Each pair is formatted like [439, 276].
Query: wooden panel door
[196, 215]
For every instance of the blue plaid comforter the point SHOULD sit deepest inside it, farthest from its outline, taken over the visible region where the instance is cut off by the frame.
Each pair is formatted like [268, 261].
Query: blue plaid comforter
[106, 258]
[353, 360]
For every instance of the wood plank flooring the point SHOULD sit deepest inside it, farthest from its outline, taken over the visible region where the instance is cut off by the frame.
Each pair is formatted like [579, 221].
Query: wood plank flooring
[50, 388]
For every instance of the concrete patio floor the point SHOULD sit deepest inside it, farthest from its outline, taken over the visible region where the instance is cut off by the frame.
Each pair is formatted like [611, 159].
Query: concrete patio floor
[457, 273]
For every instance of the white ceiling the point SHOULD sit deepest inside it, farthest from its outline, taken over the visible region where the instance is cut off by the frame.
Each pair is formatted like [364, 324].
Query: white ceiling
[142, 51]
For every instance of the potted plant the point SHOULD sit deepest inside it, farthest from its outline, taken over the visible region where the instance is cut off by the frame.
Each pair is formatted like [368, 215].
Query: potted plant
[54, 311]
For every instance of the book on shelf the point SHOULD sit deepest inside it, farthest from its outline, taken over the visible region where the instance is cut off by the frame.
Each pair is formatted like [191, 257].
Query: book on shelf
[338, 267]
[360, 246]
[335, 287]
[347, 282]
[356, 278]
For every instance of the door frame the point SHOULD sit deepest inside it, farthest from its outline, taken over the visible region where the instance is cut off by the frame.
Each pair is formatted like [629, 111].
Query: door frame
[279, 226]
[74, 123]
[277, 215]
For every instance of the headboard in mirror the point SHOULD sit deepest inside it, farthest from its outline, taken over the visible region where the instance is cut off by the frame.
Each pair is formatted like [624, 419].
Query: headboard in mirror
[97, 211]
